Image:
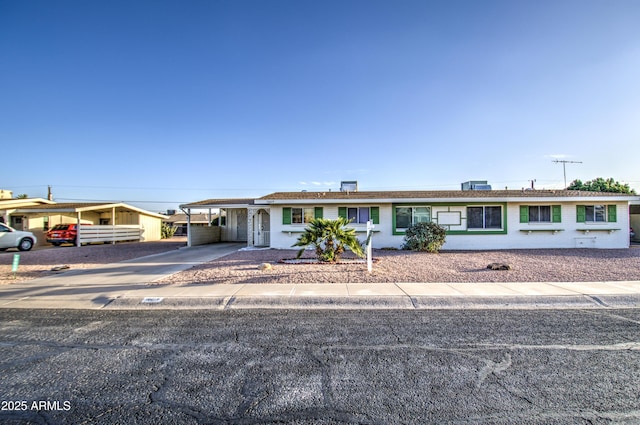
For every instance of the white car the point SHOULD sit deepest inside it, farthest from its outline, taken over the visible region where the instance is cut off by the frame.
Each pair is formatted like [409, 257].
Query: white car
[12, 238]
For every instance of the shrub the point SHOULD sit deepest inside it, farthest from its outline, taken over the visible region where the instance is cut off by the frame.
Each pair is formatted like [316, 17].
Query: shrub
[425, 237]
[167, 231]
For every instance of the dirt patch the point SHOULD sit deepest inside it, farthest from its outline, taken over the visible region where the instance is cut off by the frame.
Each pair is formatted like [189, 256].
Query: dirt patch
[550, 265]
[40, 262]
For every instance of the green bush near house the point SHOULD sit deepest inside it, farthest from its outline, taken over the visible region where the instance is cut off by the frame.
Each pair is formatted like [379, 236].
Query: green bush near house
[427, 237]
[167, 231]
[329, 238]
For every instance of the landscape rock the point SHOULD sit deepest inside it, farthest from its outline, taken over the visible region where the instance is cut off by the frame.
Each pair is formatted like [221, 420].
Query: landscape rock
[60, 267]
[499, 266]
[265, 266]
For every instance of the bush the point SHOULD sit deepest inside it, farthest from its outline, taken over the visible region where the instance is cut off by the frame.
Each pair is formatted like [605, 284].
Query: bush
[167, 232]
[425, 237]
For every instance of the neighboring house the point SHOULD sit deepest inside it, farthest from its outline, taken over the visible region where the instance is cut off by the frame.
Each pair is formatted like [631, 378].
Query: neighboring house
[8, 207]
[474, 219]
[105, 218]
[181, 221]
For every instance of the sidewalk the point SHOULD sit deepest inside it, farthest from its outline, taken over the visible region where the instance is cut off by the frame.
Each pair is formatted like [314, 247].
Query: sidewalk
[125, 285]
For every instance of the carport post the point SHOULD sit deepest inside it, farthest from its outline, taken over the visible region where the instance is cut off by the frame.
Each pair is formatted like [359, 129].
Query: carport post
[113, 223]
[78, 243]
[189, 227]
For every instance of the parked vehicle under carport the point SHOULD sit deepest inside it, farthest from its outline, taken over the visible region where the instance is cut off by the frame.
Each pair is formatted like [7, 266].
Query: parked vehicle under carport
[62, 233]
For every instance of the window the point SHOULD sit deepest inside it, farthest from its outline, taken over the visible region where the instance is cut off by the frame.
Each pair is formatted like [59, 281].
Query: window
[596, 213]
[300, 215]
[540, 213]
[407, 216]
[360, 214]
[488, 217]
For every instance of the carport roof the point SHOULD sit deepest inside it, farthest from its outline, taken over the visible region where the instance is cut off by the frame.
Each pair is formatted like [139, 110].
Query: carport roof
[82, 207]
[221, 203]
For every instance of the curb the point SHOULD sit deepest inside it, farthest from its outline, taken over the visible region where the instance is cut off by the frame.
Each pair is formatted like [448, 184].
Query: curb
[376, 302]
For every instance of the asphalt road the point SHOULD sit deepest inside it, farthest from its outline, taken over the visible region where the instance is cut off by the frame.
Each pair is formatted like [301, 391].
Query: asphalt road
[320, 367]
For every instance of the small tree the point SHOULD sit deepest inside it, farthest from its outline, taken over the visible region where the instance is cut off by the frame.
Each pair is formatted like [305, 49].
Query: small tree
[425, 237]
[329, 238]
[601, 185]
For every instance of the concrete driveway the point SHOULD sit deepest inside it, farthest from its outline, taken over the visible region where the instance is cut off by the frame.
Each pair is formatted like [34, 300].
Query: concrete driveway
[93, 288]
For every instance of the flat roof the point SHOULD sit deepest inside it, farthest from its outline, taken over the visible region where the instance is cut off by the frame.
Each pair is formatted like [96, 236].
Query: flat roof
[217, 203]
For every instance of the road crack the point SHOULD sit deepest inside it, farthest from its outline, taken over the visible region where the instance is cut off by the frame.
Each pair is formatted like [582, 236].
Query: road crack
[493, 368]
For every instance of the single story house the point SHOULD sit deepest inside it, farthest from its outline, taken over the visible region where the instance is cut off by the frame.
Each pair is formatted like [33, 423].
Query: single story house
[108, 221]
[474, 219]
[8, 207]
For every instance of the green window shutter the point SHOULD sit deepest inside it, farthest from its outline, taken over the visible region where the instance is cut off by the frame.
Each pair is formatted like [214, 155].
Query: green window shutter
[524, 213]
[342, 212]
[581, 214]
[317, 212]
[375, 215]
[556, 213]
[286, 216]
[611, 214]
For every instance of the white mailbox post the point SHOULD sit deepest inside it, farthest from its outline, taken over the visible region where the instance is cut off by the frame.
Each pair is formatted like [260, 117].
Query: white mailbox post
[370, 227]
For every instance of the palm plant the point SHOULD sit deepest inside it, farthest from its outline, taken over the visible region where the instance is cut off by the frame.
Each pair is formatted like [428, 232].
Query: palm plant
[329, 239]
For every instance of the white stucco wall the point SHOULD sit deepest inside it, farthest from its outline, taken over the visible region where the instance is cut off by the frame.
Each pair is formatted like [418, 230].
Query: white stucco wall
[570, 234]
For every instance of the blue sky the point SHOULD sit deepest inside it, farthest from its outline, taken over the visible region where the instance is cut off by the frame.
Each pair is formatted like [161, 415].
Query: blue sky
[158, 103]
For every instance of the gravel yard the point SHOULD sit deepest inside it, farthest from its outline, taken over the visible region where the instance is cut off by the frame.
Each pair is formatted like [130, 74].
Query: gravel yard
[578, 265]
[549, 265]
[38, 262]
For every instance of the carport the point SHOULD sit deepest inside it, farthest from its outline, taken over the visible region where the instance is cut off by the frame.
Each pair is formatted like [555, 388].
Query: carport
[237, 222]
[97, 222]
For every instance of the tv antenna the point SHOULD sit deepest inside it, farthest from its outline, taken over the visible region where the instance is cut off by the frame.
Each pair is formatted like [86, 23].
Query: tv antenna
[564, 163]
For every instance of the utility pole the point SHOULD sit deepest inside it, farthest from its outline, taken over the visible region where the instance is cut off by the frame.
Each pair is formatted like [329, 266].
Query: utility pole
[564, 167]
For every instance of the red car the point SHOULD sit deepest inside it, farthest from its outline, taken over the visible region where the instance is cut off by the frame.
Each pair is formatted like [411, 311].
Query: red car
[62, 233]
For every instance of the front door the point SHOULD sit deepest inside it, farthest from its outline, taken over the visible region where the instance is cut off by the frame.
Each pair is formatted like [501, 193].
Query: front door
[261, 234]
